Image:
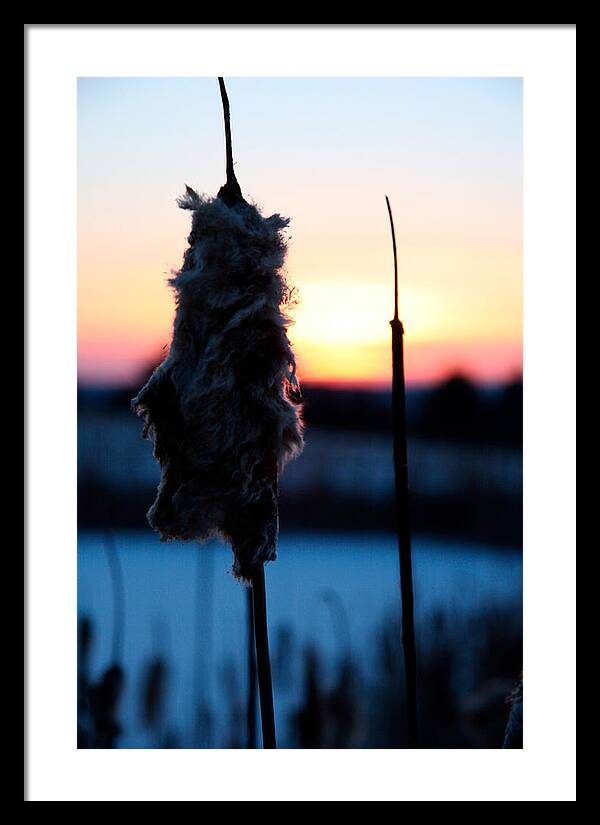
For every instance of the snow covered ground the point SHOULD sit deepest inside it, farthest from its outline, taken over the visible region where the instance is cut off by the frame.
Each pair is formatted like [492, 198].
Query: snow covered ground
[327, 590]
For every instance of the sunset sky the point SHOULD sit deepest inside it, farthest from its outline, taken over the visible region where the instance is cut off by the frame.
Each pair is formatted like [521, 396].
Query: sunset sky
[324, 152]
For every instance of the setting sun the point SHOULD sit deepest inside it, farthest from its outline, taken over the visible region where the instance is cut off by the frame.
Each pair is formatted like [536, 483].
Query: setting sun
[454, 180]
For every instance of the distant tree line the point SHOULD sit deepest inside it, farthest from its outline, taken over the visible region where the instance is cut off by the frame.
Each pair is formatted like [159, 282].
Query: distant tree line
[454, 410]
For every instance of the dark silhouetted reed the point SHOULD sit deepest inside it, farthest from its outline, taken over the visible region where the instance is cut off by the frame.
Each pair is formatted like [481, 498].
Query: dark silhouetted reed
[402, 506]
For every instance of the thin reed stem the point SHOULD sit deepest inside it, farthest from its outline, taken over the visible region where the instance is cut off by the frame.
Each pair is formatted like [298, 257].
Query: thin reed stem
[203, 634]
[231, 192]
[339, 618]
[251, 706]
[118, 595]
[402, 507]
[227, 120]
[265, 686]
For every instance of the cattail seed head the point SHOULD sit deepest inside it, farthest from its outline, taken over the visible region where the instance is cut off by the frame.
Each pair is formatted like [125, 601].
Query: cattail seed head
[223, 408]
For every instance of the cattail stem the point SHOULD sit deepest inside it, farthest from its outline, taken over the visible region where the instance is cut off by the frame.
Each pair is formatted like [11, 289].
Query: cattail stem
[203, 634]
[402, 507]
[231, 192]
[265, 686]
[227, 119]
[118, 594]
[251, 707]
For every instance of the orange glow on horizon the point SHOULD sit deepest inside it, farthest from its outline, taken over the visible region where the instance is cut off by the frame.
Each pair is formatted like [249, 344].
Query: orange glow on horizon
[453, 174]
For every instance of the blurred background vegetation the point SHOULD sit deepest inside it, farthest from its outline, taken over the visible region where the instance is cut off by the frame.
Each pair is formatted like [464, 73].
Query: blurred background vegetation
[162, 646]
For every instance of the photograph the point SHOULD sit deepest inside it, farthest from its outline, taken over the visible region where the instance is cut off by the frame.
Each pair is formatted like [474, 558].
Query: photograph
[309, 290]
[300, 413]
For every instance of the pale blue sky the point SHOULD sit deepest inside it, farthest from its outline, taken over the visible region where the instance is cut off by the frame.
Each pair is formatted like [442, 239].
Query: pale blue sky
[323, 151]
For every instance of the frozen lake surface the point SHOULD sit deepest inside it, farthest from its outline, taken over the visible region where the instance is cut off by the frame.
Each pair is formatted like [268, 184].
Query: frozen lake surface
[327, 590]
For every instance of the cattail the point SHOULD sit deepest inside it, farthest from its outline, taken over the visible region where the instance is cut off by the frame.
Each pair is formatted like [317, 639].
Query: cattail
[251, 667]
[153, 692]
[85, 637]
[402, 506]
[105, 695]
[513, 735]
[202, 650]
[223, 407]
